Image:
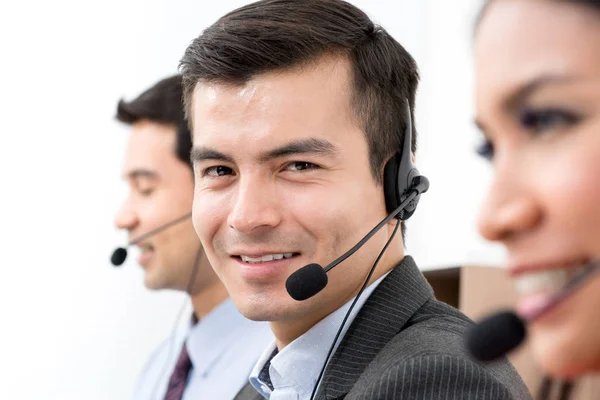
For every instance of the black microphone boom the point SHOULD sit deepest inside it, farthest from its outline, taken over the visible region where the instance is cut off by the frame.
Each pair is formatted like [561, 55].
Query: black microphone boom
[312, 278]
[119, 255]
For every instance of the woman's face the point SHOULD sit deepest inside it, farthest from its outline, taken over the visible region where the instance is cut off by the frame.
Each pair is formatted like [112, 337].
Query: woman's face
[538, 105]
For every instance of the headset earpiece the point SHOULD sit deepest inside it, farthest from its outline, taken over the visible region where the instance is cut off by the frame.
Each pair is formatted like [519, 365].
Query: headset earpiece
[390, 183]
[399, 173]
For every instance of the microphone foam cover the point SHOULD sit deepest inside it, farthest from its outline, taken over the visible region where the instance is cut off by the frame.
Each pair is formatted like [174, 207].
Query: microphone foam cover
[306, 282]
[495, 336]
[118, 256]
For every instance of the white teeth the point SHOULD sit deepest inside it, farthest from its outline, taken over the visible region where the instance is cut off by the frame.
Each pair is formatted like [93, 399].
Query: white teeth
[551, 280]
[265, 258]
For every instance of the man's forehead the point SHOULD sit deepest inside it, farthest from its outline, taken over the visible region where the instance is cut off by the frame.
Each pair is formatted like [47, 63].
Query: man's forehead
[214, 101]
[148, 133]
[327, 76]
[146, 158]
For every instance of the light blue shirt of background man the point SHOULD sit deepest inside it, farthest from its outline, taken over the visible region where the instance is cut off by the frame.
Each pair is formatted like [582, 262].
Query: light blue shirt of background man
[222, 347]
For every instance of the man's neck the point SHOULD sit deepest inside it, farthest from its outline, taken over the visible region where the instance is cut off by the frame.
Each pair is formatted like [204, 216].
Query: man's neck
[206, 300]
[286, 332]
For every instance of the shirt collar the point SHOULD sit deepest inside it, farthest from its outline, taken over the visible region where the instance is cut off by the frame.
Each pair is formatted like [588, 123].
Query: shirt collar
[256, 378]
[294, 370]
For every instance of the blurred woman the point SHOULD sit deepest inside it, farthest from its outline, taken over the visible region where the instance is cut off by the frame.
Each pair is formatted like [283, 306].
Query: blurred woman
[538, 106]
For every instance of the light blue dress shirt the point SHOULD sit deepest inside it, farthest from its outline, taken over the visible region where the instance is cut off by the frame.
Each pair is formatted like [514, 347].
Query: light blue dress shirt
[223, 347]
[295, 369]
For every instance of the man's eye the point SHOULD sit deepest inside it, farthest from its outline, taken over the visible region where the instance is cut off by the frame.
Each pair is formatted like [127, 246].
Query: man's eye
[146, 191]
[216, 171]
[546, 120]
[144, 188]
[300, 166]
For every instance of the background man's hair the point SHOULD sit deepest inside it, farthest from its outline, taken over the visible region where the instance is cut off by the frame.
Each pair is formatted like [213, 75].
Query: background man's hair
[162, 103]
[272, 35]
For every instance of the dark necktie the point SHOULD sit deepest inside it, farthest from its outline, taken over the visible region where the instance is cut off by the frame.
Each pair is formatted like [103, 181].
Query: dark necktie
[264, 376]
[180, 373]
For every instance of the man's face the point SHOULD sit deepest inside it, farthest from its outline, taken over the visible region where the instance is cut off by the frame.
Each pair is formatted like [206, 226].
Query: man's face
[283, 180]
[160, 190]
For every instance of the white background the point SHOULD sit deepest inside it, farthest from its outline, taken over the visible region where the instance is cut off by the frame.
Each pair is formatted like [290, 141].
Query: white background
[73, 327]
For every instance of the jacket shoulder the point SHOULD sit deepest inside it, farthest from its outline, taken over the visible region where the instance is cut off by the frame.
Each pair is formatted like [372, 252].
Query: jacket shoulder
[428, 359]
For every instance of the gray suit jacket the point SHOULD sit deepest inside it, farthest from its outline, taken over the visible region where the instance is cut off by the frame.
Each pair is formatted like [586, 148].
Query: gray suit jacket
[404, 344]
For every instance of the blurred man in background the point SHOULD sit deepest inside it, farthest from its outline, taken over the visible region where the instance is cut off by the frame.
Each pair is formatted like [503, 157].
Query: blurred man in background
[212, 359]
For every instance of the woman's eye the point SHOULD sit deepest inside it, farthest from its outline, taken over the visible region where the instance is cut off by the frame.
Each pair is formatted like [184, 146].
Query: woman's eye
[485, 149]
[546, 120]
[218, 170]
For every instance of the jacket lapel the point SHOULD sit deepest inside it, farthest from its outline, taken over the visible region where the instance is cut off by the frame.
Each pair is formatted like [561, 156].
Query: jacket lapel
[383, 315]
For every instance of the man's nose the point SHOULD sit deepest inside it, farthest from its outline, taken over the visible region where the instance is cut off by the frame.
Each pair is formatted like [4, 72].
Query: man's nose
[256, 206]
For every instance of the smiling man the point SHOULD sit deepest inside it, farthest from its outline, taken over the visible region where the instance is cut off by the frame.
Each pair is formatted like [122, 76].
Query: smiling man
[213, 357]
[296, 106]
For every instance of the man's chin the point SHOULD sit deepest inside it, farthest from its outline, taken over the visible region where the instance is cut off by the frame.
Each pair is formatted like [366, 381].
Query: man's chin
[152, 281]
[152, 285]
[261, 307]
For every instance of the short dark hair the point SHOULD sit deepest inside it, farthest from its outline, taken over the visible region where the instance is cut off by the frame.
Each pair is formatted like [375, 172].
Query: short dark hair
[162, 103]
[273, 35]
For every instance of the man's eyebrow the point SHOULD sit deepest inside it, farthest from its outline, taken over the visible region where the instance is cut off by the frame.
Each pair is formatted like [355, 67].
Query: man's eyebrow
[141, 173]
[302, 146]
[199, 154]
